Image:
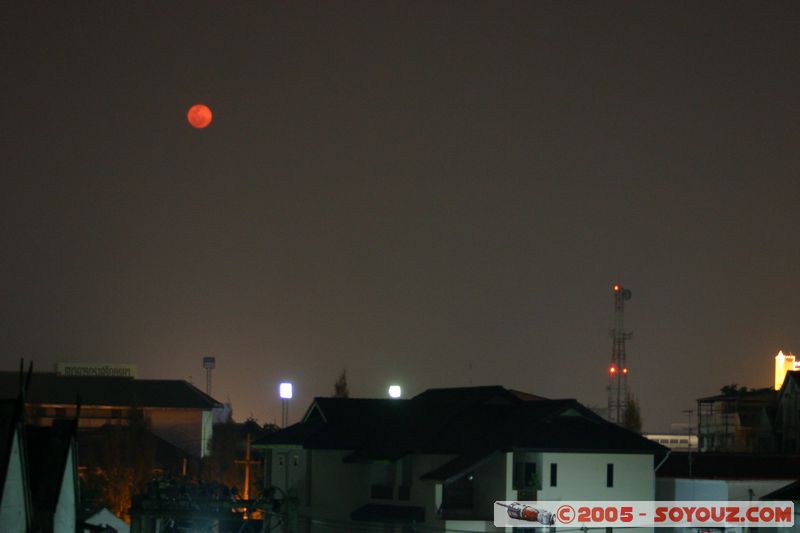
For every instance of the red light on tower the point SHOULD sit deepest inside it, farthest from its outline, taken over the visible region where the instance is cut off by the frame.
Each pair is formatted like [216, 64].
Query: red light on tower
[624, 370]
[612, 370]
[616, 288]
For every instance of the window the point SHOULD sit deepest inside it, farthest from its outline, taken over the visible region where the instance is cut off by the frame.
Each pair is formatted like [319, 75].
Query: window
[524, 476]
[295, 460]
[553, 474]
[610, 475]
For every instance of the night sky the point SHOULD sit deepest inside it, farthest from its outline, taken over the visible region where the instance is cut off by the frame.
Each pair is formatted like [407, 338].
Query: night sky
[428, 193]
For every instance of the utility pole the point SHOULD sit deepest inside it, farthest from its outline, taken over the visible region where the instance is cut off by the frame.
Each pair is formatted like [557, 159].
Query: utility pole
[689, 412]
[618, 371]
[247, 462]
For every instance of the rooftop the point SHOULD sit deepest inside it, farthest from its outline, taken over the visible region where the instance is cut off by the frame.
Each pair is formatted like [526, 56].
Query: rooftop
[48, 388]
[474, 421]
[730, 466]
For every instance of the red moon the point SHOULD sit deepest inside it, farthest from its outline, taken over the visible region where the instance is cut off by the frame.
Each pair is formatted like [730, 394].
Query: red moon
[199, 116]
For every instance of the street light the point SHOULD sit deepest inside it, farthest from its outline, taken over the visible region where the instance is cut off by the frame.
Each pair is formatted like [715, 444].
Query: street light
[285, 391]
[395, 391]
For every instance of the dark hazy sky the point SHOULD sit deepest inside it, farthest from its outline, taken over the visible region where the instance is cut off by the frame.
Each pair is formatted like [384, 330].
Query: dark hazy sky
[429, 193]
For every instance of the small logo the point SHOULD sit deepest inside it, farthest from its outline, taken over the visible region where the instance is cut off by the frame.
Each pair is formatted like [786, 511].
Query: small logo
[565, 514]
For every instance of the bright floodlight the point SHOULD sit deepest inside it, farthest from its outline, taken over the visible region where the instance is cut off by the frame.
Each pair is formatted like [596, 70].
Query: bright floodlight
[285, 391]
[395, 391]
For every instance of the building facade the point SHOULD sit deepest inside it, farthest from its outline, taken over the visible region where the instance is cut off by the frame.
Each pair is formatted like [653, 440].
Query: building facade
[176, 410]
[441, 459]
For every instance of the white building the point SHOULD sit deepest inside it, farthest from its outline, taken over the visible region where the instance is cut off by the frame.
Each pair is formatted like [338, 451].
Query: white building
[724, 477]
[675, 441]
[38, 474]
[51, 460]
[15, 506]
[441, 459]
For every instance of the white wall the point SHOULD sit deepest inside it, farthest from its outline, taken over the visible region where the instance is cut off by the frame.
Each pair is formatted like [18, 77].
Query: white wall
[716, 489]
[582, 476]
[338, 489]
[64, 519]
[13, 514]
[672, 489]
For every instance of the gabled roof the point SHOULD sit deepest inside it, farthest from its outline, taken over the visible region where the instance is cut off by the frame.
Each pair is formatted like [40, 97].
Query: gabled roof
[791, 375]
[473, 422]
[50, 388]
[729, 466]
[48, 449]
[10, 417]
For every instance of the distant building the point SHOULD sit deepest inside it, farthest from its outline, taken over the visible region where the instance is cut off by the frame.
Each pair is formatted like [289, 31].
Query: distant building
[784, 363]
[441, 459]
[674, 441]
[737, 422]
[787, 416]
[177, 411]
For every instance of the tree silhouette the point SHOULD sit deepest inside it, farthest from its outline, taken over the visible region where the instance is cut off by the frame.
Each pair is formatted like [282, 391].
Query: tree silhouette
[632, 418]
[340, 387]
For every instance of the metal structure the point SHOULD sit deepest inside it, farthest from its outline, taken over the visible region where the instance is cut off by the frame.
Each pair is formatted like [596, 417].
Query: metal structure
[618, 371]
[209, 363]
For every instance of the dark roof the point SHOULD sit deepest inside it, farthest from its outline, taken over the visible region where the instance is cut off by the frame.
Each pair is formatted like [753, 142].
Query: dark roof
[48, 449]
[730, 466]
[787, 492]
[10, 412]
[472, 421]
[457, 467]
[388, 513]
[793, 375]
[766, 395]
[50, 388]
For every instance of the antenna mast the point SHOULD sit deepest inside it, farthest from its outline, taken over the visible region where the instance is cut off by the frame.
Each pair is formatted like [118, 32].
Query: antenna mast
[618, 371]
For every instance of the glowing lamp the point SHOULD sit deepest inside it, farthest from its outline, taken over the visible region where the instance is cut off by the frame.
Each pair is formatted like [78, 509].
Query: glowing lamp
[616, 288]
[613, 369]
[286, 390]
[624, 370]
[395, 391]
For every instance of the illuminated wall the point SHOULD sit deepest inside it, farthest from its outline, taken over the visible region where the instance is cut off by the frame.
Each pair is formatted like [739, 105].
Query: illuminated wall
[784, 363]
